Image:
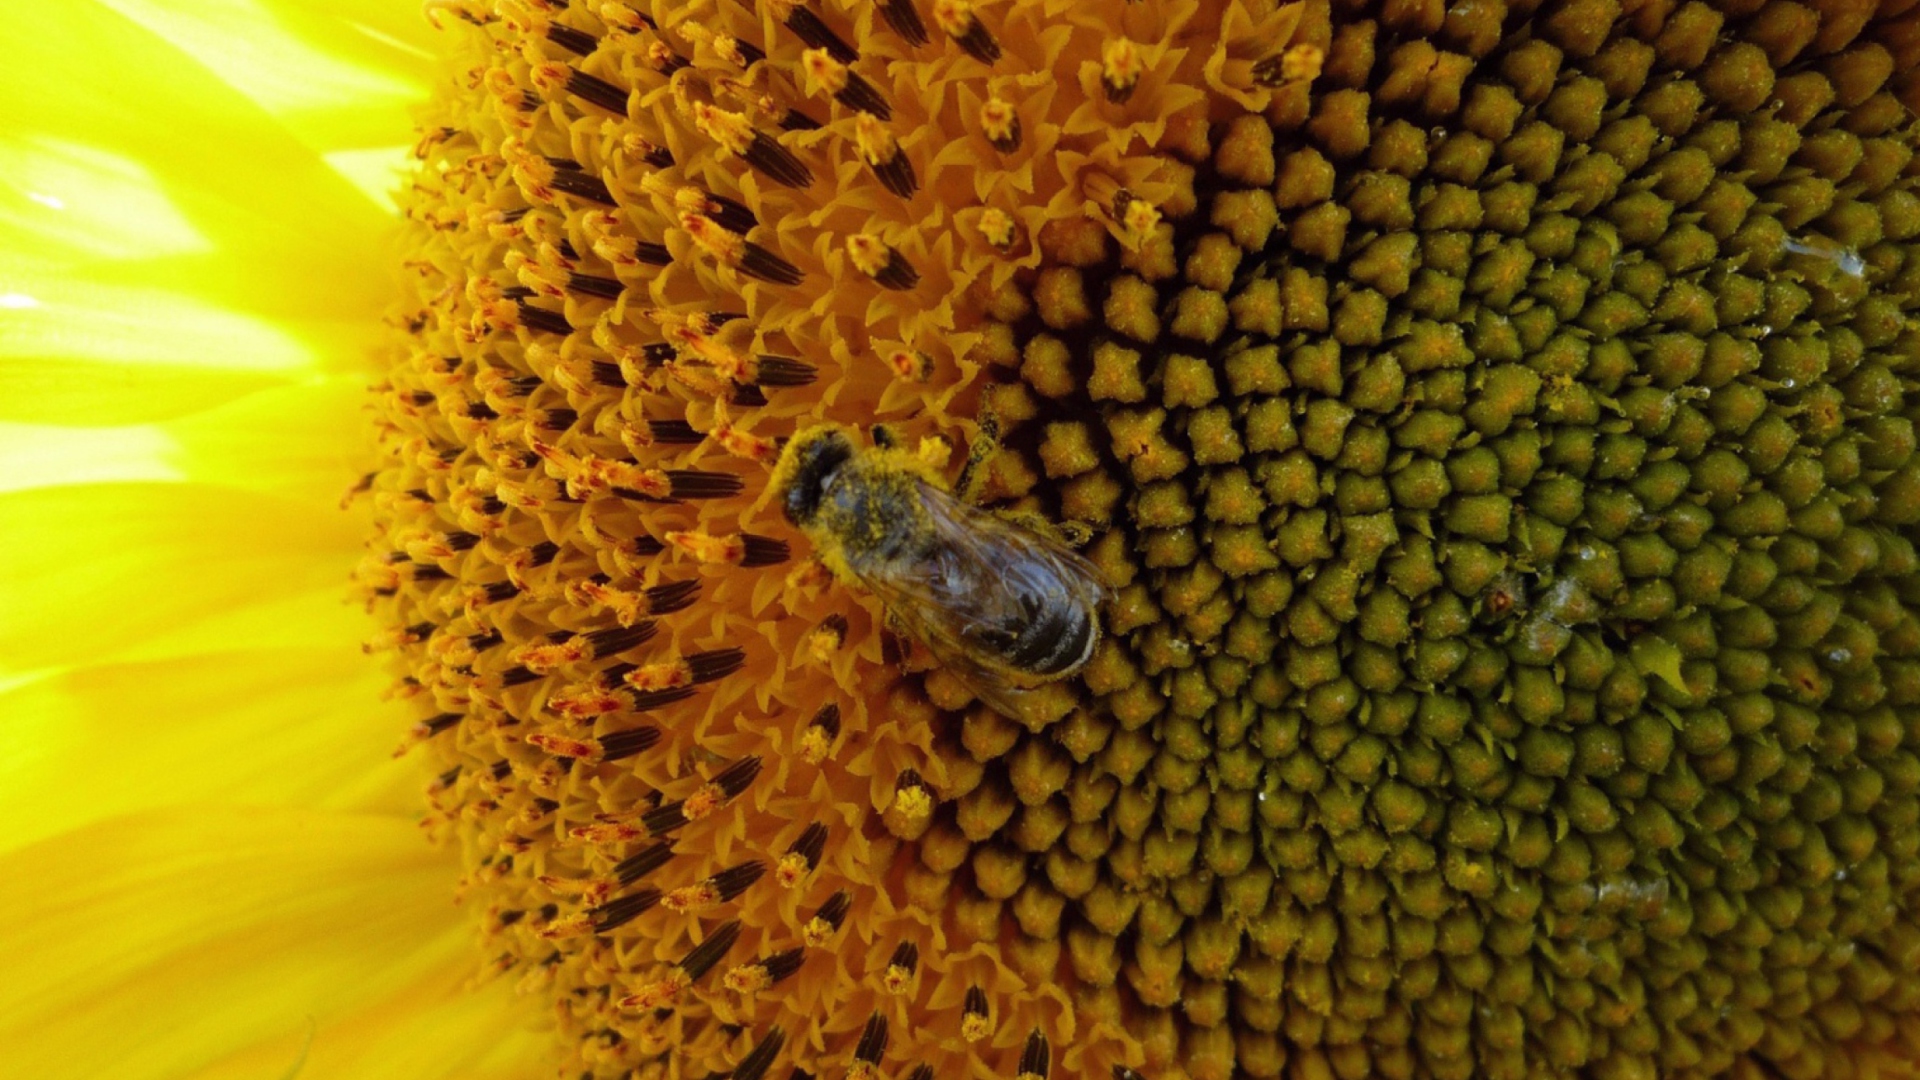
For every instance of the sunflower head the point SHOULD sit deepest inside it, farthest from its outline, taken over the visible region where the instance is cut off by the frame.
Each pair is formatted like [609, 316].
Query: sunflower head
[1489, 420]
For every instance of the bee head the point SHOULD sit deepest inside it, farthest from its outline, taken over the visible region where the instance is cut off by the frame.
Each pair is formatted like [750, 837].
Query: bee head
[811, 458]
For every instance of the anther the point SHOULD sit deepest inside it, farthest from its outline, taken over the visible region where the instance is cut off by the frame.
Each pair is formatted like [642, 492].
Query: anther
[999, 228]
[826, 922]
[878, 260]
[900, 15]
[957, 19]
[975, 1020]
[765, 974]
[674, 432]
[802, 857]
[649, 859]
[826, 639]
[625, 744]
[577, 42]
[618, 913]
[898, 978]
[1036, 1060]
[1120, 68]
[870, 1049]
[542, 320]
[1299, 63]
[817, 741]
[718, 889]
[737, 251]
[1000, 124]
[829, 76]
[882, 152]
[744, 549]
[759, 1059]
[808, 28]
[605, 288]
[734, 134]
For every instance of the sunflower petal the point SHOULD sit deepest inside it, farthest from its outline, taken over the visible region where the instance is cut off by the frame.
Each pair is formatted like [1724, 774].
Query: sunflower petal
[158, 945]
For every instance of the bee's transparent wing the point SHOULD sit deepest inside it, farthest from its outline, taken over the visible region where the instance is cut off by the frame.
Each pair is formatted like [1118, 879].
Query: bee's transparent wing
[984, 575]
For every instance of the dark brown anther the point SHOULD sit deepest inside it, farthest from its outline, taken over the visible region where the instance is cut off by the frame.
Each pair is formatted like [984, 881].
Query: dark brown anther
[544, 321]
[808, 28]
[702, 957]
[581, 186]
[1036, 1060]
[625, 744]
[702, 484]
[648, 253]
[667, 599]
[762, 550]
[618, 639]
[760, 1058]
[635, 867]
[674, 432]
[782, 371]
[617, 913]
[905, 20]
[599, 92]
[756, 261]
[604, 288]
[577, 42]
[810, 845]
[873, 1040]
[777, 162]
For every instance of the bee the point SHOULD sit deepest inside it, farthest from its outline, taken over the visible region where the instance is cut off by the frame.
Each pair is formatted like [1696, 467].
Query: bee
[1004, 608]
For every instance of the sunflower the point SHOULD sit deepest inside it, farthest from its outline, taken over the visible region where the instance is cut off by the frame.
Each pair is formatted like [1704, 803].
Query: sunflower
[1489, 417]
[209, 871]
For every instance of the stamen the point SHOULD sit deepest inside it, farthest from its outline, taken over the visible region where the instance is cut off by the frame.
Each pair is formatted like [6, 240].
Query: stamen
[999, 229]
[911, 364]
[718, 889]
[817, 741]
[758, 1060]
[618, 913]
[635, 867]
[618, 639]
[744, 549]
[1036, 1061]
[975, 1020]
[605, 288]
[702, 958]
[1300, 63]
[1001, 125]
[882, 152]
[1120, 68]
[829, 76]
[577, 42]
[734, 134]
[781, 371]
[870, 1049]
[625, 744]
[900, 15]
[674, 432]
[873, 257]
[738, 252]
[827, 638]
[957, 19]
[765, 974]
[542, 320]
[826, 922]
[808, 28]
[802, 857]
[898, 978]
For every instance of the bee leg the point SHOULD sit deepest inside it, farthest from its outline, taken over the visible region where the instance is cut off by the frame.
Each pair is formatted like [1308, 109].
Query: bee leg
[979, 452]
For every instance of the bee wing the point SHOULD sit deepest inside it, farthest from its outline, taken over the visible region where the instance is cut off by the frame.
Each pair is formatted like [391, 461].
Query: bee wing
[983, 575]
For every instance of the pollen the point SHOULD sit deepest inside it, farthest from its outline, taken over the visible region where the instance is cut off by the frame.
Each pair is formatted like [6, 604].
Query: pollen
[1490, 420]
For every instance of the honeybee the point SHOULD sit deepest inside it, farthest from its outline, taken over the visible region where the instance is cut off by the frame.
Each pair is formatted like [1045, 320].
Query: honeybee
[1004, 608]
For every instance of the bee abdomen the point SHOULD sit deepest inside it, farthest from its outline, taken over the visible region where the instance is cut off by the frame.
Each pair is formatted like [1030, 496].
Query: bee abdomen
[1055, 643]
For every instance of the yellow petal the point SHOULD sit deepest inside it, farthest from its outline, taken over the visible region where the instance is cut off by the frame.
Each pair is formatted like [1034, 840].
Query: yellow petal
[171, 943]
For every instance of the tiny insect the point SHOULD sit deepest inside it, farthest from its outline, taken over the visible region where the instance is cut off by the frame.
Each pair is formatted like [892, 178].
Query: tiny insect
[1003, 607]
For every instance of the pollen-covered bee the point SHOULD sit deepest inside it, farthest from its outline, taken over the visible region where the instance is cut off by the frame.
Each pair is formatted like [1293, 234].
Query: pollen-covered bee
[1004, 608]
